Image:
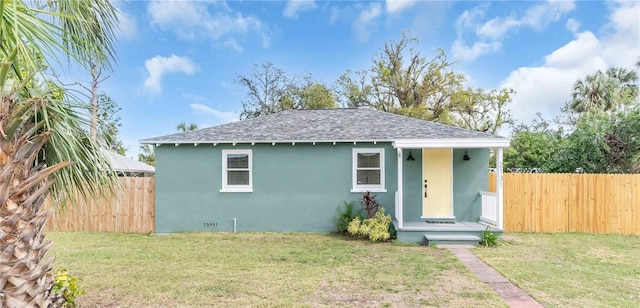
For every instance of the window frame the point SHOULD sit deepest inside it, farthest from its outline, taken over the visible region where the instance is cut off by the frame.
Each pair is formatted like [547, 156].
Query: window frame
[226, 187]
[360, 188]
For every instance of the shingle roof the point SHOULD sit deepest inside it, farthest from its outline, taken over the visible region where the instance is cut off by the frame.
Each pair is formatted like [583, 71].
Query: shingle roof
[346, 124]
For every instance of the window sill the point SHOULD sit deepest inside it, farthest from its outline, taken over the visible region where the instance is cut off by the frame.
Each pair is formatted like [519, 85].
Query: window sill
[236, 190]
[364, 190]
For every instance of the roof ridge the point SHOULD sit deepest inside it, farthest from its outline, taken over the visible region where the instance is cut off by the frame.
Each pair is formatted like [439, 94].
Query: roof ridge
[336, 124]
[438, 123]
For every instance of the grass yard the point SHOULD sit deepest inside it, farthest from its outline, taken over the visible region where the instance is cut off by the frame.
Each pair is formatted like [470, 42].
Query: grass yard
[263, 269]
[571, 269]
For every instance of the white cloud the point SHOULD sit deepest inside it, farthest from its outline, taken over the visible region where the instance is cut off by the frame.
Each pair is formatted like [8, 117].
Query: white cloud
[294, 7]
[158, 66]
[468, 18]
[343, 13]
[622, 44]
[540, 15]
[233, 44]
[395, 6]
[573, 25]
[496, 28]
[216, 116]
[488, 35]
[191, 20]
[465, 53]
[335, 13]
[365, 19]
[127, 27]
[546, 88]
[266, 40]
[584, 47]
[536, 17]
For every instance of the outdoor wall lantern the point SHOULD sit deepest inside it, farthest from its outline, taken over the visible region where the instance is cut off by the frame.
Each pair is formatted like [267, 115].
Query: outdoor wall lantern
[410, 157]
[466, 156]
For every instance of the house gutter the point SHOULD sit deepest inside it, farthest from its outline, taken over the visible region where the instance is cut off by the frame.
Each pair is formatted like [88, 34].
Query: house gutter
[466, 143]
[402, 143]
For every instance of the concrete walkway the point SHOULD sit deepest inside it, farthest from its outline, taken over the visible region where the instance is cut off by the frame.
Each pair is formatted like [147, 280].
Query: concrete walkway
[510, 293]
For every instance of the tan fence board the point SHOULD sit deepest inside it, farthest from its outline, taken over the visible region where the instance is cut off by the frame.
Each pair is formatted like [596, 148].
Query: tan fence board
[131, 209]
[594, 203]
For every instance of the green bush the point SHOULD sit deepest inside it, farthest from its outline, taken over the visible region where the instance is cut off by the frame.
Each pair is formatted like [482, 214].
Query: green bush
[345, 216]
[67, 287]
[489, 238]
[374, 229]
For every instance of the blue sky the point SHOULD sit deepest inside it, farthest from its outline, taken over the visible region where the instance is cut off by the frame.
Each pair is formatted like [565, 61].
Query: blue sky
[177, 60]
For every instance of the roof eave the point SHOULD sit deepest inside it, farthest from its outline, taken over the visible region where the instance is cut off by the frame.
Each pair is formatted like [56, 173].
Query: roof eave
[402, 143]
[466, 143]
[216, 142]
[134, 170]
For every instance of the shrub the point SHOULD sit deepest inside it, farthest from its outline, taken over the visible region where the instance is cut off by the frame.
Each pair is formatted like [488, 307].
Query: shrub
[374, 229]
[369, 204]
[353, 228]
[489, 238]
[67, 287]
[345, 216]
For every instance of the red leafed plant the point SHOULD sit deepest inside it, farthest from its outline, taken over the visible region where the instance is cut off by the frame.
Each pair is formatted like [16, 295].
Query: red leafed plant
[369, 204]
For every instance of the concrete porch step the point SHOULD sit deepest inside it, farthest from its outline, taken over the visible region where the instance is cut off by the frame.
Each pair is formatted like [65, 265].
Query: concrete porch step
[451, 239]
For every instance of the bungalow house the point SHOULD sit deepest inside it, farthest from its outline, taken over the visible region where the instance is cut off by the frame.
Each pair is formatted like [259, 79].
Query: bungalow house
[291, 170]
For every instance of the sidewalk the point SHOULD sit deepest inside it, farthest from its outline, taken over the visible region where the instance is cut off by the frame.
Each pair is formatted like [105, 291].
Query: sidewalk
[510, 293]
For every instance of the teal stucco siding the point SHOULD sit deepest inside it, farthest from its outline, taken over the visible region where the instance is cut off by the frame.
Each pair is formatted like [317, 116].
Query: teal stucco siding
[469, 178]
[295, 187]
[412, 185]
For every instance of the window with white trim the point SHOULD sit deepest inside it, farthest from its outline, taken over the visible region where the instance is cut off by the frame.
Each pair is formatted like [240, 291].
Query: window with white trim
[236, 171]
[368, 170]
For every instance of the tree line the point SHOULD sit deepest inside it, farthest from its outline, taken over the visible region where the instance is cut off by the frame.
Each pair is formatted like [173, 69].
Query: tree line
[400, 80]
[597, 131]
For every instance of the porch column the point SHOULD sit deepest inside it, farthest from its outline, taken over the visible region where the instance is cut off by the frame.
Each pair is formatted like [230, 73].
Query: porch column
[499, 189]
[399, 191]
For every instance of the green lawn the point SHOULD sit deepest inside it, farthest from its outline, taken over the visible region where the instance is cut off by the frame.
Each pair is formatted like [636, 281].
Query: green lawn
[571, 269]
[263, 269]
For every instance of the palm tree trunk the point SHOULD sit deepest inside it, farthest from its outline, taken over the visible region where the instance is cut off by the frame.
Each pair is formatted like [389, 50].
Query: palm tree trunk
[25, 278]
[95, 75]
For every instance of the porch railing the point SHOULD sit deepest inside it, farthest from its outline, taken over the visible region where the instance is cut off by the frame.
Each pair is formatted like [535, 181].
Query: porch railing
[490, 211]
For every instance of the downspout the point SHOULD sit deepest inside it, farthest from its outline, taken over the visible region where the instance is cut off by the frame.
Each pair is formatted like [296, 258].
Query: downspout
[235, 224]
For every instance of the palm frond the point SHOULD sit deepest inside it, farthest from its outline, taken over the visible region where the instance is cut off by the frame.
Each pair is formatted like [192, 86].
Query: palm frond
[78, 29]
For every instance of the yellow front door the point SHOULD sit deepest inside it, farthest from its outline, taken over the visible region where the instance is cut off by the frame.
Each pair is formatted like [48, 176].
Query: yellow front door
[437, 183]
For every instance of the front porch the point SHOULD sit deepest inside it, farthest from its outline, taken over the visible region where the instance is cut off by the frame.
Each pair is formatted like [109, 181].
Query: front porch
[469, 209]
[428, 233]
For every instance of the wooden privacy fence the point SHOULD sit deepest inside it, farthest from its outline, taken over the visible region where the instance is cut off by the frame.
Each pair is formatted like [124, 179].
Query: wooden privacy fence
[132, 209]
[593, 203]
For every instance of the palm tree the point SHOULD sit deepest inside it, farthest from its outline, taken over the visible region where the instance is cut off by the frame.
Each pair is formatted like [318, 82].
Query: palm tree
[44, 148]
[592, 93]
[605, 90]
[625, 85]
[183, 127]
[148, 155]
